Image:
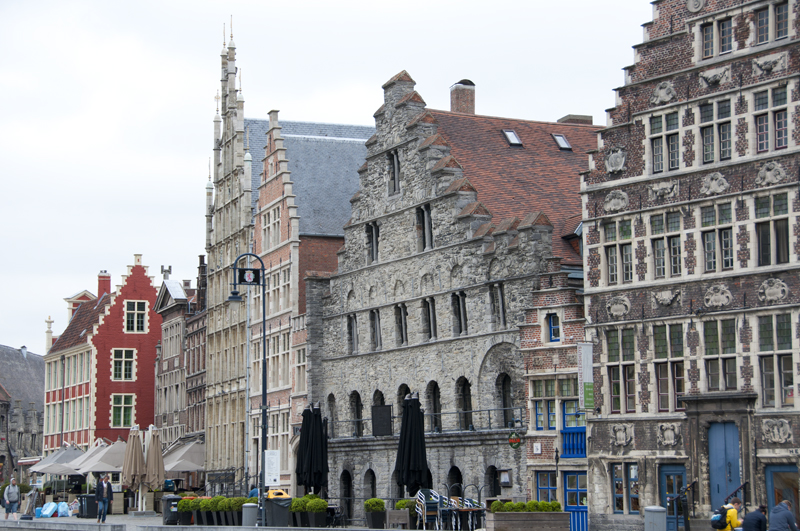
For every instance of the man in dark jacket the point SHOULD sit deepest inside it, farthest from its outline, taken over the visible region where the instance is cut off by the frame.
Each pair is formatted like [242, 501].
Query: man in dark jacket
[782, 518]
[756, 520]
[103, 496]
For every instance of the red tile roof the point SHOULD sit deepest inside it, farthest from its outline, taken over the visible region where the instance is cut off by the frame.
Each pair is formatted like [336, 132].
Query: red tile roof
[82, 323]
[516, 181]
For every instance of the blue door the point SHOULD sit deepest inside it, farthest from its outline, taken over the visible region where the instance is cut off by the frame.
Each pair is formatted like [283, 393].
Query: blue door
[723, 461]
[671, 480]
[576, 501]
[782, 483]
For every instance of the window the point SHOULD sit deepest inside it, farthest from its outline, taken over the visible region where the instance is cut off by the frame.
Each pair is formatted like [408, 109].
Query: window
[777, 380]
[777, 117]
[352, 333]
[724, 29]
[459, 304]
[274, 228]
[512, 137]
[424, 228]
[394, 171]
[762, 26]
[622, 377]
[670, 383]
[772, 236]
[562, 142]
[544, 404]
[373, 234]
[707, 35]
[668, 341]
[498, 306]
[554, 327]
[666, 250]
[300, 370]
[782, 20]
[429, 319]
[625, 478]
[375, 329]
[573, 417]
[725, 36]
[621, 253]
[401, 324]
[135, 316]
[659, 142]
[779, 13]
[715, 136]
[546, 486]
[123, 364]
[717, 243]
[720, 340]
[121, 411]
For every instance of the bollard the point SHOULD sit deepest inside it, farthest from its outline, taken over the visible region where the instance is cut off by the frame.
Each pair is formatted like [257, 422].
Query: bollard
[250, 514]
[655, 518]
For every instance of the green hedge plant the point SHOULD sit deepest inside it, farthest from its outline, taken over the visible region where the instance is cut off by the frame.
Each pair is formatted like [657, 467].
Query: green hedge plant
[254, 499]
[497, 507]
[317, 506]
[298, 505]
[236, 504]
[206, 505]
[374, 505]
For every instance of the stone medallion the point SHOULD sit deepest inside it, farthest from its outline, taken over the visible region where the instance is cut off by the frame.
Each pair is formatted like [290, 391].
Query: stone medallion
[773, 290]
[713, 78]
[666, 297]
[776, 431]
[663, 93]
[665, 190]
[695, 6]
[622, 434]
[618, 306]
[615, 160]
[615, 201]
[669, 434]
[718, 296]
[714, 183]
[771, 173]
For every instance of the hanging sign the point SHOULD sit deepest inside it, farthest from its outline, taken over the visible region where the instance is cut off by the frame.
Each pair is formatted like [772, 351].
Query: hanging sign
[249, 277]
[585, 376]
[514, 440]
[272, 468]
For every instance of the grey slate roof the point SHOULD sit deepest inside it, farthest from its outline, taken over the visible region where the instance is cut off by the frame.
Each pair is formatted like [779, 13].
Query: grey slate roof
[323, 161]
[22, 376]
[175, 289]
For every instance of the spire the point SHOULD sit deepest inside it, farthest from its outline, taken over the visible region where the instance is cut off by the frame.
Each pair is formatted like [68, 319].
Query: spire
[230, 43]
[224, 44]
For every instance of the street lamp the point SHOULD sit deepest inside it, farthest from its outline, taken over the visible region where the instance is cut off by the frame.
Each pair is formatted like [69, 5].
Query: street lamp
[256, 277]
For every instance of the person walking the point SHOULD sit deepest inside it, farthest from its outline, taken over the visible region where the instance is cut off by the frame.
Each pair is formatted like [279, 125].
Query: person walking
[755, 520]
[104, 497]
[782, 518]
[732, 516]
[11, 498]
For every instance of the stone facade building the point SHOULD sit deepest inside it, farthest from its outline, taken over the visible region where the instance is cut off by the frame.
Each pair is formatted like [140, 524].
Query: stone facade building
[21, 412]
[692, 288]
[196, 358]
[451, 227]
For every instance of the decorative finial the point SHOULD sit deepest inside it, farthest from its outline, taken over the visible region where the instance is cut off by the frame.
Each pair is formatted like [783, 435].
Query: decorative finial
[209, 169]
[231, 27]
[247, 138]
[223, 35]
[217, 98]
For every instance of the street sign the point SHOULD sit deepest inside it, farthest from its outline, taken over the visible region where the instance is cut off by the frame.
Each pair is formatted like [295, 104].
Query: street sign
[249, 277]
[585, 376]
[514, 440]
[272, 468]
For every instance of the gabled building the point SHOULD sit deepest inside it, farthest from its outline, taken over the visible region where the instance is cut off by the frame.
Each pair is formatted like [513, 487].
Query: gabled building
[99, 377]
[456, 218]
[691, 223]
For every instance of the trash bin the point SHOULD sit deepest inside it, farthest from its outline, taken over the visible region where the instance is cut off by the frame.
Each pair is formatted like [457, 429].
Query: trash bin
[277, 511]
[169, 509]
[87, 508]
[249, 514]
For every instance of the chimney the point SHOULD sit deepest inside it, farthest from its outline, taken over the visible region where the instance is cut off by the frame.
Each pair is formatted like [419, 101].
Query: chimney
[187, 284]
[24, 351]
[576, 119]
[462, 97]
[103, 283]
[48, 335]
[201, 284]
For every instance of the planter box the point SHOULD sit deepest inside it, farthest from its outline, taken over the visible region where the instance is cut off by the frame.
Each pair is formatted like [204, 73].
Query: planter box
[376, 520]
[402, 517]
[185, 518]
[527, 521]
[318, 519]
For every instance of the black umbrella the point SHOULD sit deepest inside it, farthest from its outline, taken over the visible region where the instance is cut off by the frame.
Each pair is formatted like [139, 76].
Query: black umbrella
[312, 451]
[412, 463]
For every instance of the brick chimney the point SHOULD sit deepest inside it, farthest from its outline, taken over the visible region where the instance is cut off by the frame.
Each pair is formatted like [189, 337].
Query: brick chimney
[103, 283]
[462, 97]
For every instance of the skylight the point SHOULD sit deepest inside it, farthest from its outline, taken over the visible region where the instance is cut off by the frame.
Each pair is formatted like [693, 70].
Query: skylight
[512, 137]
[562, 142]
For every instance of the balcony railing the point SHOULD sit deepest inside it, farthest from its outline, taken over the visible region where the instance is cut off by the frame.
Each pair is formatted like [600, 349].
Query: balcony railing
[573, 443]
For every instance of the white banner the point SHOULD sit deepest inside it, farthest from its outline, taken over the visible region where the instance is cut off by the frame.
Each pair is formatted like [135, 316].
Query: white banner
[585, 376]
[272, 468]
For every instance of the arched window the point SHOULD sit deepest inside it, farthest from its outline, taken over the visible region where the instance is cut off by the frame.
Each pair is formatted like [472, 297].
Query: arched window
[370, 485]
[346, 494]
[455, 482]
[505, 401]
[464, 403]
[356, 410]
[492, 480]
[402, 391]
[434, 406]
[377, 398]
[332, 415]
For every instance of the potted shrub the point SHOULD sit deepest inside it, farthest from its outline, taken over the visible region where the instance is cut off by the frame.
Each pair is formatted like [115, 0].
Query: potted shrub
[298, 509]
[204, 511]
[185, 511]
[236, 510]
[526, 517]
[218, 508]
[317, 512]
[376, 513]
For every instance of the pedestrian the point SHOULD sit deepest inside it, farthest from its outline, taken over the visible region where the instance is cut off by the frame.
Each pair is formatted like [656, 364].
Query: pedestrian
[755, 520]
[253, 492]
[11, 499]
[732, 516]
[782, 518]
[104, 497]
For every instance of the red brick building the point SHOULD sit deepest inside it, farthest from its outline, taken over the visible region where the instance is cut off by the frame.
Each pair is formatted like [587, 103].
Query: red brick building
[99, 376]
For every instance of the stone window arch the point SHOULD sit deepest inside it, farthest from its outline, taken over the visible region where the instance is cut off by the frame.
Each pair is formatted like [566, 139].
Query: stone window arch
[464, 403]
[377, 398]
[370, 484]
[346, 493]
[433, 405]
[505, 398]
[402, 391]
[332, 414]
[356, 414]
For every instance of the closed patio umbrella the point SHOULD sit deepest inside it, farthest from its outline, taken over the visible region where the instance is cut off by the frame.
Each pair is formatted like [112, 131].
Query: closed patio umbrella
[154, 474]
[133, 469]
[412, 463]
[312, 451]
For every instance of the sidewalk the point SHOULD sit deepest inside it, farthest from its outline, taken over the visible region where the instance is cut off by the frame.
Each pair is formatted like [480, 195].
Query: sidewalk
[130, 522]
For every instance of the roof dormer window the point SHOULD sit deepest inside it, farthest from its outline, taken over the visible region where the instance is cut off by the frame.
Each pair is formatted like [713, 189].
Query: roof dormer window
[512, 137]
[562, 142]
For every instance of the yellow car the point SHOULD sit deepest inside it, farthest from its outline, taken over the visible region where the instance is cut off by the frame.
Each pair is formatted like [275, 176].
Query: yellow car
[277, 493]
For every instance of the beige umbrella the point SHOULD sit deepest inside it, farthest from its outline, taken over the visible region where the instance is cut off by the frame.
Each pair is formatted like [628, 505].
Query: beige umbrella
[154, 477]
[133, 467]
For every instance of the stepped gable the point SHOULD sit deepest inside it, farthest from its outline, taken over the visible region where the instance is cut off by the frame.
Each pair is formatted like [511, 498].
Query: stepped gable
[516, 180]
[81, 326]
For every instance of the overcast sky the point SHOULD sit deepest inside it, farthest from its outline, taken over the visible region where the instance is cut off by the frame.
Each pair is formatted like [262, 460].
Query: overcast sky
[106, 126]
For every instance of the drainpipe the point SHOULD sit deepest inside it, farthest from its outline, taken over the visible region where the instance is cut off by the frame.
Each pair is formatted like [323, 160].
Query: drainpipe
[63, 385]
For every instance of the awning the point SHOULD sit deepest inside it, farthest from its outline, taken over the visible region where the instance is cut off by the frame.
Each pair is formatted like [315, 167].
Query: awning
[109, 459]
[190, 457]
[61, 456]
[25, 461]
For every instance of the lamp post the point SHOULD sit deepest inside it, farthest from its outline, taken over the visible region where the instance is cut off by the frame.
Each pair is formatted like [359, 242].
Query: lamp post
[256, 277]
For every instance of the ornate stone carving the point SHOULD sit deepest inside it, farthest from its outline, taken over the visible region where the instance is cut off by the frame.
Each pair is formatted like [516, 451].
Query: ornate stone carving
[615, 201]
[615, 160]
[665, 190]
[622, 434]
[669, 434]
[714, 77]
[771, 173]
[776, 431]
[773, 290]
[664, 93]
[695, 6]
[666, 297]
[718, 296]
[714, 183]
[767, 64]
[618, 306]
